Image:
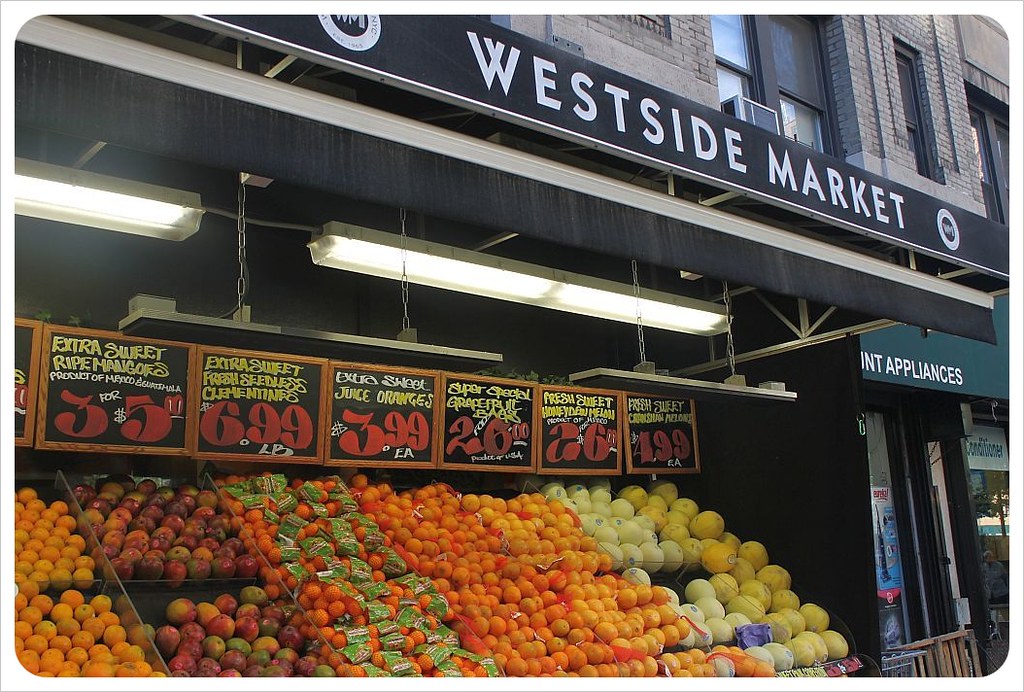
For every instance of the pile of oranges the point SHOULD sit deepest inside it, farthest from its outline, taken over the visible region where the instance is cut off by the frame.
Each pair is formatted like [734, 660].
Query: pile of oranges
[71, 637]
[525, 580]
[48, 553]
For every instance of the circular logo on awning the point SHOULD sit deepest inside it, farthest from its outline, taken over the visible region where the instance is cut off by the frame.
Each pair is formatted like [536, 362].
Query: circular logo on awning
[948, 230]
[357, 32]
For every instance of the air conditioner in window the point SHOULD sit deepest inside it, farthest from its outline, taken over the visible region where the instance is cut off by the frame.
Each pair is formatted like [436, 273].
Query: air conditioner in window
[752, 112]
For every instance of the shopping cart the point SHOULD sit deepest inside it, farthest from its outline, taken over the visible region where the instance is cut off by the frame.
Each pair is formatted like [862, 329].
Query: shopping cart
[902, 664]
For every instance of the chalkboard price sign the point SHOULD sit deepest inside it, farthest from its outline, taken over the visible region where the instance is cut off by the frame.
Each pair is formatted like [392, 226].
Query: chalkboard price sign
[661, 434]
[488, 424]
[27, 335]
[382, 416]
[255, 406]
[579, 431]
[103, 391]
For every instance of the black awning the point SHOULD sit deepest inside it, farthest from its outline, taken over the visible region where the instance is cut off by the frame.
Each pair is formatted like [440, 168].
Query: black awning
[65, 94]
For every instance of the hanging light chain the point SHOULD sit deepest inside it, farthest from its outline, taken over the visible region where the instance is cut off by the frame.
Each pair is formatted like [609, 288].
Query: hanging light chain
[639, 318]
[730, 351]
[405, 277]
[243, 287]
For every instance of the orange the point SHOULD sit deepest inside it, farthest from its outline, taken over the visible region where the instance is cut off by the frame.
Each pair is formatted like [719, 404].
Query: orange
[30, 614]
[46, 629]
[72, 597]
[29, 660]
[82, 639]
[100, 603]
[98, 669]
[26, 495]
[37, 643]
[94, 626]
[61, 611]
[68, 626]
[83, 578]
[78, 655]
[83, 612]
[109, 618]
[22, 630]
[61, 643]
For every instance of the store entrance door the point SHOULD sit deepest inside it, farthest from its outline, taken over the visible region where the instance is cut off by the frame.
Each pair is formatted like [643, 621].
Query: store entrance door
[944, 529]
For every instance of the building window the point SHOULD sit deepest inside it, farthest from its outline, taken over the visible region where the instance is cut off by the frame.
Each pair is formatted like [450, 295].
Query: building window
[777, 62]
[907, 70]
[729, 35]
[991, 146]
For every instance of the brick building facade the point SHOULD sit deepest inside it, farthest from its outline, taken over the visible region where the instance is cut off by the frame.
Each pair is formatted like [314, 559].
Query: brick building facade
[865, 104]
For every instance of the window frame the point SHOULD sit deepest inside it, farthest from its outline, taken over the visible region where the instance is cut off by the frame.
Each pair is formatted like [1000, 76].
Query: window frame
[921, 149]
[989, 122]
[763, 79]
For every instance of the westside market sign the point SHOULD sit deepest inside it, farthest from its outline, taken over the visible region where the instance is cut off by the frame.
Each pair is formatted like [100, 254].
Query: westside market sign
[484, 67]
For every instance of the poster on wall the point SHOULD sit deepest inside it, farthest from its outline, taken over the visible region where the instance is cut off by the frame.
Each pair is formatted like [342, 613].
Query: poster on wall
[888, 570]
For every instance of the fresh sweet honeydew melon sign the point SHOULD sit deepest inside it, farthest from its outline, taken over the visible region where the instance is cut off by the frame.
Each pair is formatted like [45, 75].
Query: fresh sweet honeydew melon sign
[579, 431]
[661, 435]
[257, 406]
[103, 391]
[383, 416]
[487, 424]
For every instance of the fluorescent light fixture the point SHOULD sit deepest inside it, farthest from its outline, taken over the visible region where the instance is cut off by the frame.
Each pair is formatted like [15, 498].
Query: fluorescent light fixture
[367, 251]
[647, 383]
[56, 193]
